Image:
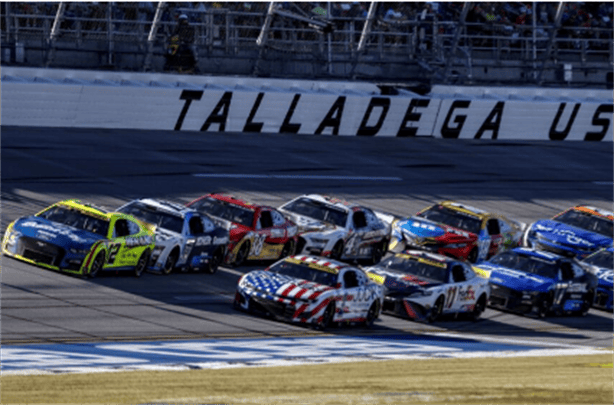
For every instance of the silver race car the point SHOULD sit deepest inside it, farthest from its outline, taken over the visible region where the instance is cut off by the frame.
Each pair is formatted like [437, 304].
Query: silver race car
[185, 239]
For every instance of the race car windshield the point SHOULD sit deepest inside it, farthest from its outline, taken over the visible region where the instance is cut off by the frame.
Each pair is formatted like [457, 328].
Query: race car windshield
[528, 264]
[77, 219]
[443, 215]
[304, 273]
[224, 210]
[161, 219]
[405, 266]
[317, 210]
[603, 258]
[587, 221]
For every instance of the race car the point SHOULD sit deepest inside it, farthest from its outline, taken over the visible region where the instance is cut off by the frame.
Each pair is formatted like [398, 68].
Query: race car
[536, 283]
[257, 232]
[81, 239]
[456, 230]
[337, 229]
[601, 264]
[422, 286]
[577, 231]
[185, 238]
[311, 290]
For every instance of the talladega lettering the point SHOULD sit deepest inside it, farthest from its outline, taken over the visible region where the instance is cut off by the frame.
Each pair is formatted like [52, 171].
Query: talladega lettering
[377, 111]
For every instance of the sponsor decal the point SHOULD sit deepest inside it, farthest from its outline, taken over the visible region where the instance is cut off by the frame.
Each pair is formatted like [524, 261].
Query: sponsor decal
[467, 294]
[569, 235]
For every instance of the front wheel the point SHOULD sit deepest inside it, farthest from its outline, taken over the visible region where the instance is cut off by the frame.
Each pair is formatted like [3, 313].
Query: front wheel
[97, 265]
[141, 265]
[327, 317]
[543, 307]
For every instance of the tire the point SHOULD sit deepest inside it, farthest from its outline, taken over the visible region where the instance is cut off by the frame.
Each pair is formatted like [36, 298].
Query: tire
[169, 264]
[242, 255]
[215, 261]
[543, 307]
[587, 304]
[436, 310]
[372, 314]
[473, 256]
[327, 317]
[378, 252]
[141, 265]
[479, 308]
[288, 249]
[97, 265]
[337, 251]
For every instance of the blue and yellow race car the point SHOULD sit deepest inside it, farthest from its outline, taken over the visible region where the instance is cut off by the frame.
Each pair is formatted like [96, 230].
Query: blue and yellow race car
[82, 239]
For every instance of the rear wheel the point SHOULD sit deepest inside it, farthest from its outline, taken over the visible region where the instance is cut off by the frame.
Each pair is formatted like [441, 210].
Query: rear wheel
[372, 314]
[337, 251]
[97, 265]
[436, 310]
[586, 305]
[288, 249]
[171, 260]
[543, 307]
[141, 265]
[215, 261]
[242, 254]
[473, 256]
[479, 308]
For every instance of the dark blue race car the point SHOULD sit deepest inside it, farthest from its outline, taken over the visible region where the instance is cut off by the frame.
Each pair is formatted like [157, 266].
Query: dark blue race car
[578, 231]
[537, 283]
[602, 265]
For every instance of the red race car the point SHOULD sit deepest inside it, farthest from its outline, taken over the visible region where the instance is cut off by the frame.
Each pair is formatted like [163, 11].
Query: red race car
[257, 232]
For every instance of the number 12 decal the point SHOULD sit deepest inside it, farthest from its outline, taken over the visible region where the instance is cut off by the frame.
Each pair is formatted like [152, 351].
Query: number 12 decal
[113, 252]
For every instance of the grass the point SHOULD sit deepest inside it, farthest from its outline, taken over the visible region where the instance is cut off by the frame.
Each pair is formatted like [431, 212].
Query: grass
[529, 380]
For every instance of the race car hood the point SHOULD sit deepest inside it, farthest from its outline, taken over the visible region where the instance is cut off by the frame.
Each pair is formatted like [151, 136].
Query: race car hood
[53, 232]
[423, 228]
[306, 224]
[517, 280]
[564, 234]
[402, 284]
[278, 285]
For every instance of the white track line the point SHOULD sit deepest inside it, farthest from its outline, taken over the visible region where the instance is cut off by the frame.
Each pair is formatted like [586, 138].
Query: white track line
[294, 176]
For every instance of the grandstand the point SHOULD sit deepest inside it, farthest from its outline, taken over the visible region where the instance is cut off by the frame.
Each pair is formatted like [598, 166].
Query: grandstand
[487, 43]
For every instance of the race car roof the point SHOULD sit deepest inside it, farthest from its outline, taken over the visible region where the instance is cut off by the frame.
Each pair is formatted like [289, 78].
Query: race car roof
[595, 211]
[318, 263]
[236, 201]
[338, 203]
[466, 209]
[431, 258]
[166, 206]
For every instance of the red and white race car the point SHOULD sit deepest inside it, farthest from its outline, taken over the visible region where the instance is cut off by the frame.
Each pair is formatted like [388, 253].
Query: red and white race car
[257, 232]
[311, 290]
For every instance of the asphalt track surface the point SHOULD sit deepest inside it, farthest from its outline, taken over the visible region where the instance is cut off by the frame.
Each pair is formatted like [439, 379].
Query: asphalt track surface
[523, 180]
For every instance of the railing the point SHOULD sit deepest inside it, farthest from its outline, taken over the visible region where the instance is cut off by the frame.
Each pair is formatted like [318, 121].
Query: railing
[234, 32]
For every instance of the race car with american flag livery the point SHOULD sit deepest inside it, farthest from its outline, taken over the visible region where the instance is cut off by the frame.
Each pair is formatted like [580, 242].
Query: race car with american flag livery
[456, 230]
[311, 290]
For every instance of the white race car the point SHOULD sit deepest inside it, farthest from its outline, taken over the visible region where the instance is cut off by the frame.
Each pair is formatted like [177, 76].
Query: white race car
[422, 286]
[337, 229]
[185, 238]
